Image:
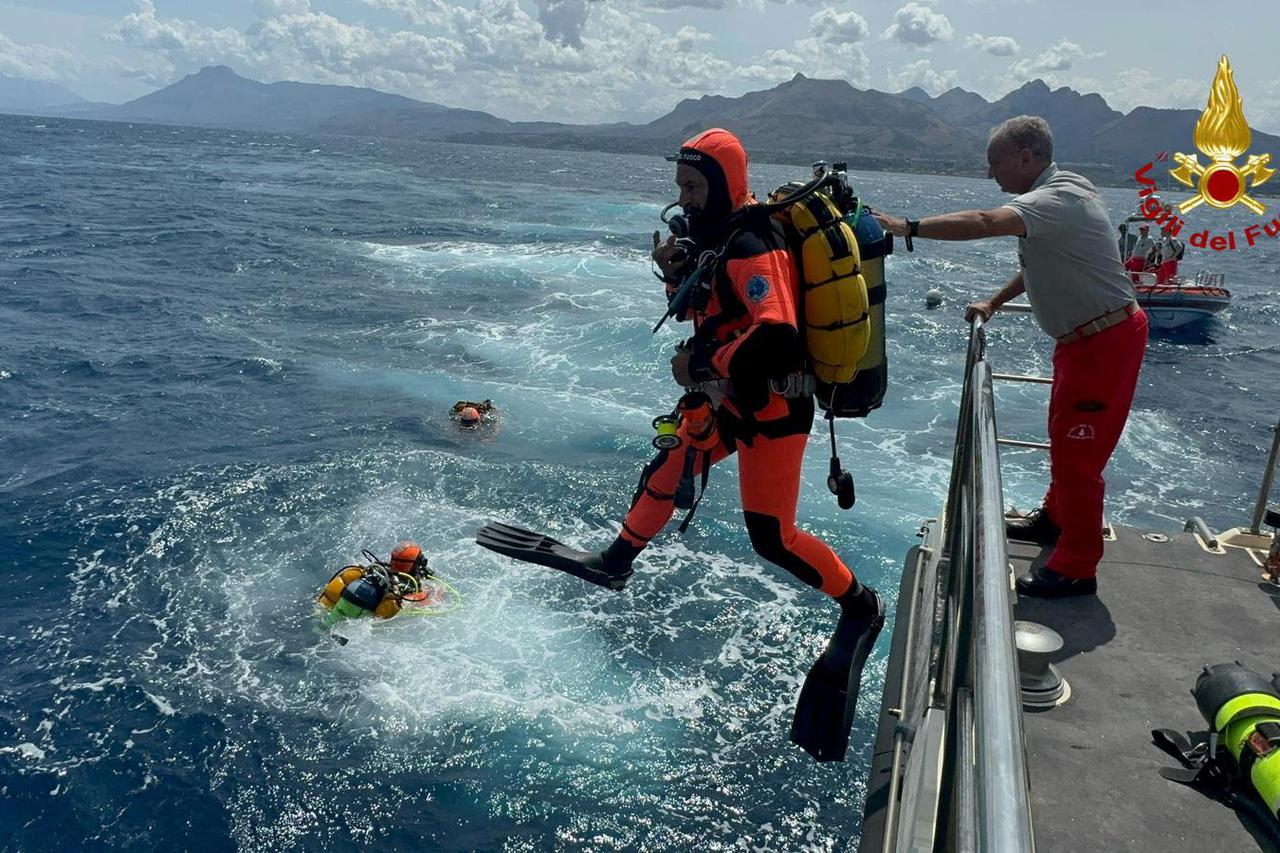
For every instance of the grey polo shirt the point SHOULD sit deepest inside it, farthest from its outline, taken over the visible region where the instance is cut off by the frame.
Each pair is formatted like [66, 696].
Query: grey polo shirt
[1070, 259]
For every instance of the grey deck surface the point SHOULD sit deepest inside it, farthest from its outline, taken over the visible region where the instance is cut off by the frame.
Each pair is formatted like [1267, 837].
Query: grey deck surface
[1163, 611]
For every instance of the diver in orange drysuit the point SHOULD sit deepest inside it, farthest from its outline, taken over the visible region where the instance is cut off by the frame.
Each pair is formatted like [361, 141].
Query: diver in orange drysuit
[745, 335]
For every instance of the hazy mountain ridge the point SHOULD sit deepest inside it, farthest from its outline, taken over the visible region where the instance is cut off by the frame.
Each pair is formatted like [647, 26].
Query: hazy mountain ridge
[17, 93]
[800, 120]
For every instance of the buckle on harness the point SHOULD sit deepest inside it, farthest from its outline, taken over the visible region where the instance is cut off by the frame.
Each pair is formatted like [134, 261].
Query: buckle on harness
[793, 385]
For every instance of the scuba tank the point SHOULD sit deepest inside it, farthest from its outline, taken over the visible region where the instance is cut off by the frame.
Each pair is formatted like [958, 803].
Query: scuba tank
[359, 598]
[1239, 756]
[1243, 709]
[839, 250]
[378, 588]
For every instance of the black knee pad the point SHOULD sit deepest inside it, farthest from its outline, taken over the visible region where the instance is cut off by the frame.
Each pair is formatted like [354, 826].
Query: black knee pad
[766, 537]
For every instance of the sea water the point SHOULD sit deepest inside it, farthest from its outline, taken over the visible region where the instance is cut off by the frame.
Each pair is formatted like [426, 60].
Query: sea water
[226, 368]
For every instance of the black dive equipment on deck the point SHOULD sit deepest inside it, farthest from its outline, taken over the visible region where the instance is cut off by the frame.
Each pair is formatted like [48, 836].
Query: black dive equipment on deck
[1238, 760]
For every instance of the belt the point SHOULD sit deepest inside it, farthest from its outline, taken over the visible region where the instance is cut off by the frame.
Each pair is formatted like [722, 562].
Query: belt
[1098, 324]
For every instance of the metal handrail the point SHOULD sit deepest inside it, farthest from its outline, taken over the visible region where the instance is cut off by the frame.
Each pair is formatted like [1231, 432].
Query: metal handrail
[980, 797]
[1004, 800]
[1267, 476]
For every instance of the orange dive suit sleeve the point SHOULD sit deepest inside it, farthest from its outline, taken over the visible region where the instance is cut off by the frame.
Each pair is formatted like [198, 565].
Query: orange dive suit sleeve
[767, 344]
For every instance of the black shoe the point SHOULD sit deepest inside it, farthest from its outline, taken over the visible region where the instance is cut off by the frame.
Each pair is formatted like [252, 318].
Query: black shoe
[1036, 526]
[1044, 582]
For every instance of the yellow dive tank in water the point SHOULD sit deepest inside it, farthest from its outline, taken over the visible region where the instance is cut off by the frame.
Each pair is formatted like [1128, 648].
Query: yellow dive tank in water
[337, 597]
[1243, 707]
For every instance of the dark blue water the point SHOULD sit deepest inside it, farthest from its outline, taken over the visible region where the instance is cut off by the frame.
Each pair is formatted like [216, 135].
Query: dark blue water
[226, 364]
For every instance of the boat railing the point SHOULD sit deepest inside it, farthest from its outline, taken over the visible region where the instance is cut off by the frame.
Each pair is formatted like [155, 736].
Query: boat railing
[1268, 476]
[1204, 278]
[959, 778]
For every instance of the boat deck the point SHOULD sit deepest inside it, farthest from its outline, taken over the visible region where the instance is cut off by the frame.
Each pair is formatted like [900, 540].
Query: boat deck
[1163, 611]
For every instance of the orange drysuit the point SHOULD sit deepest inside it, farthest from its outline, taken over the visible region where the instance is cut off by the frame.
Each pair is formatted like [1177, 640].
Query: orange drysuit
[747, 335]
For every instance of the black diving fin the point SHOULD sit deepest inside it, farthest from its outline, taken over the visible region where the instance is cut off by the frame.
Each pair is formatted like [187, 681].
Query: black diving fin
[829, 696]
[532, 547]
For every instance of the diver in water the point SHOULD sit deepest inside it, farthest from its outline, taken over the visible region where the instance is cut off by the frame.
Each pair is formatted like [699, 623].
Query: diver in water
[378, 588]
[473, 415]
[745, 345]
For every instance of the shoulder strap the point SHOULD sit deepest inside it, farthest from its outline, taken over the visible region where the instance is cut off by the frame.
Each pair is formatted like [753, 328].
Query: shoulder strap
[1202, 768]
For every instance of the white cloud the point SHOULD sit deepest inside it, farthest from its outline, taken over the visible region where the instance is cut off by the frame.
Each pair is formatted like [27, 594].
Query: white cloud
[1060, 57]
[1262, 110]
[1135, 87]
[687, 38]
[36, 61]
[272, 8]
[838, 27]
[576, 60]
[994, 45]
[921, 73]
[916, 24]
[830, 52]
[144, 29]
[562, 20]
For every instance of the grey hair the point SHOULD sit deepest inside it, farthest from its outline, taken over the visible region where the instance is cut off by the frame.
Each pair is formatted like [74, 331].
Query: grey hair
[1030, 132]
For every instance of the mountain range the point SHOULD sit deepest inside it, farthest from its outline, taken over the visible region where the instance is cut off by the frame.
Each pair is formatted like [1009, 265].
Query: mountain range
[24, 95]
[798, 121]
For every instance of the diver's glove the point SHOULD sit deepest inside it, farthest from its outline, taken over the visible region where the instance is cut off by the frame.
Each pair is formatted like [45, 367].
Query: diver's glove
[675, 258]
[700, 354]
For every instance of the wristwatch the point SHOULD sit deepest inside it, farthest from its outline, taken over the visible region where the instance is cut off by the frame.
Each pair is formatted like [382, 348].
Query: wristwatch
[913, 227]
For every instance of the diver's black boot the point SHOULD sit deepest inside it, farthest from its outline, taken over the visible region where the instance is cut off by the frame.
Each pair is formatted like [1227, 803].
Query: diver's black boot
[859, 600]
[1036, 526]
[829, 697]
[616, 560]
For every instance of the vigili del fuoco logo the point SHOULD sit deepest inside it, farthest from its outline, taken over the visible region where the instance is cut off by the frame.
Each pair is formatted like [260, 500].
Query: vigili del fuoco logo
[1222, 134]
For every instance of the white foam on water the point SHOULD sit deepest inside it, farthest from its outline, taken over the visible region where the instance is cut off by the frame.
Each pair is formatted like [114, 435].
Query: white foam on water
[26, 750]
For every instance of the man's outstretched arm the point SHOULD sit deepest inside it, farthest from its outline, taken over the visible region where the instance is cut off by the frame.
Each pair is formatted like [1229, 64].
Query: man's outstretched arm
[961, 225]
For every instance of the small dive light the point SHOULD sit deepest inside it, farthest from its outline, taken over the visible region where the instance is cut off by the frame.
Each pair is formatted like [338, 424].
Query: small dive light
[840, 484]
[667, 427]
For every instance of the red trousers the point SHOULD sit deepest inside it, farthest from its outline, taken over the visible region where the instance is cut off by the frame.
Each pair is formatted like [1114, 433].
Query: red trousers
[1093, 383]
[769, 482]
[1135, 264]
[1166, 271]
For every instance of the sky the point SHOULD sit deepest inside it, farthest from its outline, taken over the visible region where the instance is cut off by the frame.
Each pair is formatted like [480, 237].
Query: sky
[633, 60]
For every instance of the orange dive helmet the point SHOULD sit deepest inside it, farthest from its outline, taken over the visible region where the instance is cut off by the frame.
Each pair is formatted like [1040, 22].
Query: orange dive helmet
[407, 558]
[469, 416]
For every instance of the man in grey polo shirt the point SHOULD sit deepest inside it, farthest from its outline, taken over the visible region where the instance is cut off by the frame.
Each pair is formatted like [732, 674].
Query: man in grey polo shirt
[1081, 296]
